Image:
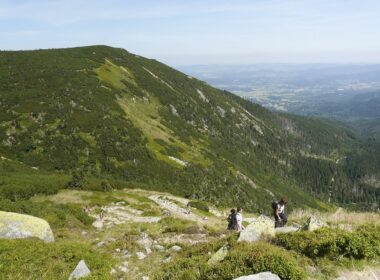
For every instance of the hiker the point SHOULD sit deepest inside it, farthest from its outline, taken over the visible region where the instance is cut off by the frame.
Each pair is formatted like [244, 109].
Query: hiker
[101, 215]
[239, 219]
[86, 209]
[279, 212]
[232, 220]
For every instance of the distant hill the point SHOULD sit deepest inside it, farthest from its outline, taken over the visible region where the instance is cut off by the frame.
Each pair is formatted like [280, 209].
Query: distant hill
[347, 92]
[102, 112]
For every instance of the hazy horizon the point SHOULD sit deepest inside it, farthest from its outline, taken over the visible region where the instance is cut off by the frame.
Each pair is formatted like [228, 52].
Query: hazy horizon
[202, 32]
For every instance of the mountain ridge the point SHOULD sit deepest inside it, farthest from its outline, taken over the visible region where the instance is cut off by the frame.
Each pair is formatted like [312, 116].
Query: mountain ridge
[102, 112]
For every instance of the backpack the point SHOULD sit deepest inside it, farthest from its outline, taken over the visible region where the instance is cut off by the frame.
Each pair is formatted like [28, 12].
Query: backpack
[274, 205]
[232, 221]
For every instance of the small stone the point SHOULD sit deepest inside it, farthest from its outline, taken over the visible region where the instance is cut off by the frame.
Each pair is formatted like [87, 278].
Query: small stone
[260, 276]
[101, 244]
[145, 278]
[80, 271]
[113, 271]
[140, 255]
[84, 233]
[148, 250]
[117, 250]
[123, 269]
[98, 224]
[166, 213]
[168, 259]
[158, 247]
[175, 248]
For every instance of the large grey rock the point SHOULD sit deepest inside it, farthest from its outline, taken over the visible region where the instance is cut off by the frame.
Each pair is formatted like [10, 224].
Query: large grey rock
[80, 271]
[263, 225]
[260, 276]
[14, 226]
[219, 255]
[313, 223]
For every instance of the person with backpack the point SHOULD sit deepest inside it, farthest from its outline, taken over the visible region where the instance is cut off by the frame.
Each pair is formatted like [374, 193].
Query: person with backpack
[279, 212]
[239, 219]
[232, 220]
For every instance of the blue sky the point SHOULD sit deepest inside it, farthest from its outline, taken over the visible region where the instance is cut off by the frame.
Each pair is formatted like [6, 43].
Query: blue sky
[201, 31]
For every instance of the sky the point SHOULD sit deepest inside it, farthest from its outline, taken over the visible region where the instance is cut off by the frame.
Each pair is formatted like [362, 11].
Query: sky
[185, 32]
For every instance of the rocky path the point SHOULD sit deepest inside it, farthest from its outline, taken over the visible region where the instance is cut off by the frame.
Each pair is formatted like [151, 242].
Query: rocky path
[176, 210]
[117, 213]
[370, 274]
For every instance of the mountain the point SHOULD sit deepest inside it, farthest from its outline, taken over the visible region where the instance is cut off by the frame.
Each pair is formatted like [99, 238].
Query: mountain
[99, 117]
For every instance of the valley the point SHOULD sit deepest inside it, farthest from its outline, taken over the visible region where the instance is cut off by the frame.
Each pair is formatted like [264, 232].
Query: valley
[115, 166]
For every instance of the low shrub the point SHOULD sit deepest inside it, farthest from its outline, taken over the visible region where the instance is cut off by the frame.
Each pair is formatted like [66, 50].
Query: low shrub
[34, 259]
[363, 243]
[170, 224]
[17, 192]
[243, 259]
[105, 186]
[200, 205]
[57, 215]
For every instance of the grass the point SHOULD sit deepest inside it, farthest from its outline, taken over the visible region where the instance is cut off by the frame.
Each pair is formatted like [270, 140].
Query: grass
[114, 75]
[145, 114]
[34, 259]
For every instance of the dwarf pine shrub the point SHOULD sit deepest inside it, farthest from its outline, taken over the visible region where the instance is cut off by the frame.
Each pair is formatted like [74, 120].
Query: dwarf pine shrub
[243, 259]
[363, 243]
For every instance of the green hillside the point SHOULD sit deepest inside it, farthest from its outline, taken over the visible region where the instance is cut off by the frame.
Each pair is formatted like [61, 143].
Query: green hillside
[99, 117]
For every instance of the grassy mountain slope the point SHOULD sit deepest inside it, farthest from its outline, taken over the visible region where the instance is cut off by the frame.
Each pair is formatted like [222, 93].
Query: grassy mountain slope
[104, 114]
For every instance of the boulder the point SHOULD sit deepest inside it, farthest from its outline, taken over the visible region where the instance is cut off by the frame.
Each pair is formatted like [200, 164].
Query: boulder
[14, 225]
[219, 255]
[80, 271]
[313, 223]
[260, 276]
[263, 225]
